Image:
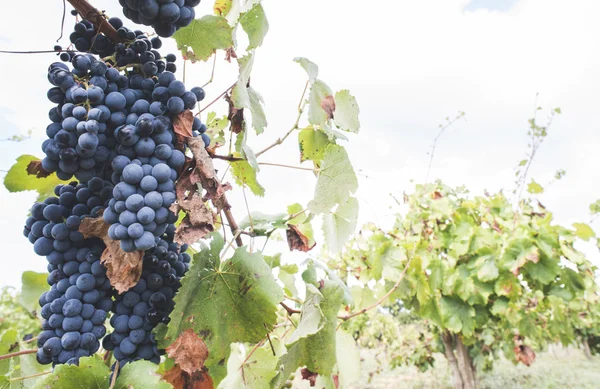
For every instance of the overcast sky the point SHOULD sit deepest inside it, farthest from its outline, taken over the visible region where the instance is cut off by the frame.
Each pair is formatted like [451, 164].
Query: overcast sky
[410, 64]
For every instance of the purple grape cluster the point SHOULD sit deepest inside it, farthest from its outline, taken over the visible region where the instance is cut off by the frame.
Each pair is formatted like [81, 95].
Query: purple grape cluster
[165, 16]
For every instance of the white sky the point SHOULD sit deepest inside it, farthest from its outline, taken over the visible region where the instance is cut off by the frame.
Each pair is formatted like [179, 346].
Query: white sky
[410, 64]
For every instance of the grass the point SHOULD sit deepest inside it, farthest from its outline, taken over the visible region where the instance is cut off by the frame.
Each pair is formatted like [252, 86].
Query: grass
[558, 368]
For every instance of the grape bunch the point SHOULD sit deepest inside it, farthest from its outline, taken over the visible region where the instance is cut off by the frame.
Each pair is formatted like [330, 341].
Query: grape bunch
[165, 16]
[111, 129]
[76, 306]
[148, 303]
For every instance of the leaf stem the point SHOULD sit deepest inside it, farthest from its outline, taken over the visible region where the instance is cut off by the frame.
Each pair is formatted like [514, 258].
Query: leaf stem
[216, 99]
[289, 310]
[212, 74]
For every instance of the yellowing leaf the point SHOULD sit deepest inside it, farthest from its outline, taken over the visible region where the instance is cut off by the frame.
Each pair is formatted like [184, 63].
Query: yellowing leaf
[583, 231]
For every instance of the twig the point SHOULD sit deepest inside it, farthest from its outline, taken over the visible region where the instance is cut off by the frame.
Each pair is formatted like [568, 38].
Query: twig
[289, 166]
[444, 128]
[279, 141]
[114, 377]
[215, 100]
[233, 226]
[289, 310]
[30, 376]
[235, 237]
[87, 11]
[62, 23]
[16, 354]
[226, 157]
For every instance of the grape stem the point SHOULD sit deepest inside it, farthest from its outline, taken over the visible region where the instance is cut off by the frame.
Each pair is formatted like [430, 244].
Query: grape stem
[216, 99]
[87, 11]
[16, 354]
[289, 310]
[289, 166]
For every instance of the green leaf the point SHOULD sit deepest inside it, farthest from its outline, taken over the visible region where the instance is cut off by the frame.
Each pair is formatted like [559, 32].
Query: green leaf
[91, 373]
[216, 129]
[7, 339]
[245, 151]
[255, 23]
[204, 37]
[338, 225]
[595, 207]
[318, 92]
[287, 276]
[336, 180]
[17, 179]
[523, 162]
[545, 271]
[313, 143]
[256, 372]
[239, 93]
[222, 7]
[457, 315]
[262, 223]
[348, 359]
[313, 343]
[499, 307]
[245, 175]
[225, 302]
[583, 231]
[140, 375]
[332, 133]
[346, 112]
[311, 68]
[259, 119]
[534, 187]
[488, 270]
[33, 285]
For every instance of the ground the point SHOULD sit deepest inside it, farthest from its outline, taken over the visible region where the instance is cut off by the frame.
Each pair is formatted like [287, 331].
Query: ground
[553, 369]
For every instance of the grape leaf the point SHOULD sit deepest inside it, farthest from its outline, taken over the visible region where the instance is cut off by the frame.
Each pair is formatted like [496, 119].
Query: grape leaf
[239, 94]
[346, 112]
[313, 143]
[17, 179]
[91, 373]
[311, 68]
[338, 225]
[336, 180]
[259, 119]
[318, 101]
[140, 375]
[32, 286]
[534, 188]
[224, 302]
[216, 130]
[313, 343]
[348, 359]
[457, 315]
[222, 7]
[253, 372]
[255, 23]
[262, 223]
[204, 36]
[7, 339]
[583, 231]
[245, 175]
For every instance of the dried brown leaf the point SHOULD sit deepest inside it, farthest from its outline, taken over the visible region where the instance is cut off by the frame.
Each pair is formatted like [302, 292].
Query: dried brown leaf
[229, 54]
[205, 170]
[235, 116]
[525, 355]
[35, 168]
[189, 351]
[297, 240]
[328, 105]
[309, 376]
[122, 269]
[182, 125]
[182, 380]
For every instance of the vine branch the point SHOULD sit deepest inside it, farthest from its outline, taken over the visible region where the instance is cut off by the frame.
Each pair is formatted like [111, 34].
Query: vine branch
[289, 309]
[442, 129]
[279, 141]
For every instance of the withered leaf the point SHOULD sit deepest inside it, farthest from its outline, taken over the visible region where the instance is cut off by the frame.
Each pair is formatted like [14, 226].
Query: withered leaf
[182, 125]
[297, 240]
[229, 54]
[328, 105]
[122, 269]
[309, 376]
[205, 170]
[189, 351]
[436, 195]
[182, 380]
[35, 168]
[235, 116]
[525, 355]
